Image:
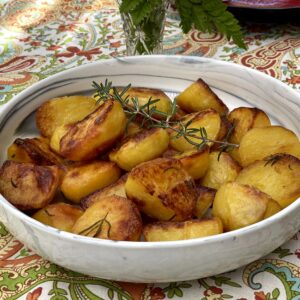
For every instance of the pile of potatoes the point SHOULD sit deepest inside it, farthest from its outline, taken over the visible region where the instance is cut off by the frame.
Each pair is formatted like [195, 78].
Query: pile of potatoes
[91, 174]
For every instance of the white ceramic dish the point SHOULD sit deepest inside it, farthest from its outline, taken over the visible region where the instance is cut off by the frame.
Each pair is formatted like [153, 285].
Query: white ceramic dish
[162, 261]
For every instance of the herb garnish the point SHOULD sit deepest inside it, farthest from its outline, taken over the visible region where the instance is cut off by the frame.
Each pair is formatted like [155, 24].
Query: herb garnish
[148, 112]
[273, 159]
[98, 226]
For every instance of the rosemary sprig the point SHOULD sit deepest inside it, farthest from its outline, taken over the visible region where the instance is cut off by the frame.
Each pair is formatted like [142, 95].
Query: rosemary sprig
[273, 159]
[98, 226]
[226, 147]
[148, 112]
[48, 213]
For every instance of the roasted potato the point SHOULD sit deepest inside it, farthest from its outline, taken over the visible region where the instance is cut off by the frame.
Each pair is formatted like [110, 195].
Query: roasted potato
[179, 114]
[234, 153]
[28, 186]
[58, 134]
[63, 110]
[132, 129]
[239, 205]
[205, 200]
[175, 231]
[223, 134]
[111, 217]
[117, 188]
[198, 96]
[144, 94]
[91, 136]
[83, 180]
[59, 215]
[208, 119]
[162, 189]
[259, 143]
[143, 146]
[244, 119]
[272, 208]
[221, 168]
[277, 176]
[195, 162]
[34, 150]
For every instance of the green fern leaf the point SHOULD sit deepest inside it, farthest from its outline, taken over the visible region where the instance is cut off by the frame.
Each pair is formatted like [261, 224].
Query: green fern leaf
[223, 20]
[143, 10]
[185, 8]
[201, 20]
[129, 5]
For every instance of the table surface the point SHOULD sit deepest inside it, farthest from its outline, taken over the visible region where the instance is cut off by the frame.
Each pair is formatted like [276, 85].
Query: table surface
[39, 38]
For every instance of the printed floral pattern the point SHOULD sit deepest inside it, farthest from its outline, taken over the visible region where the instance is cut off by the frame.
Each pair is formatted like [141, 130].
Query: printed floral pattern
[39, 38]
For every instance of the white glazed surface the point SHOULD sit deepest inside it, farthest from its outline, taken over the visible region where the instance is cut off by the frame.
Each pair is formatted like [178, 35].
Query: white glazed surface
[161, 261]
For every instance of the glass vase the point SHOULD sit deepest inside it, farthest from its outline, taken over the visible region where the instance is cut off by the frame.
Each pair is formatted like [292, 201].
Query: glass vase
[146, 38]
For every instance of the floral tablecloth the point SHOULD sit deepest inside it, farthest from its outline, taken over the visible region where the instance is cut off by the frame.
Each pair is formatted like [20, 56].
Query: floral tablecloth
[39, 38]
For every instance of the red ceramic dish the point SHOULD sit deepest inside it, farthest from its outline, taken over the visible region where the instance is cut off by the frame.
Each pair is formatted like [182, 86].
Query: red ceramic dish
[264, 4]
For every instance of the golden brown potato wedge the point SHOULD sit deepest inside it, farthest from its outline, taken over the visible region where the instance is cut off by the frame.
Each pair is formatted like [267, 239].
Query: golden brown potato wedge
[34, 150]
[221, 168]
[143, 146]
[113, 218]
[132, 129]
[143, 94]
[28, 186]
[179, 114]
[195, 162]
[58, 134]
[259, 143]
[59, 215]
[117, 188]
[208, 119]
[205, 200]
[223, 133]
[239, 205]
[91, 136]
[175, 231]
[162, 189]
[83, 180]
[234, 153]
[272, 208]
[277, 176]
[244, 119]
[63, 110]
[198, 96]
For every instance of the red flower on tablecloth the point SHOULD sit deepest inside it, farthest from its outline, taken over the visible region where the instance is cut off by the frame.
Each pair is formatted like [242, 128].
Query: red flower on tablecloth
[260, 296]
[72, 51]
[27, 39]
[294, 80]
[35, 43]
[53, 47]
[115, 44]
[69, 27]
[157, 294]
[213, 293]
[297, 253]
[35, 294]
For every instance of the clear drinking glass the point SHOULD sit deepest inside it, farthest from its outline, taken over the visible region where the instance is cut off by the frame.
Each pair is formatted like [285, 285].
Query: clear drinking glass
[147, 38]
